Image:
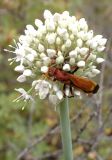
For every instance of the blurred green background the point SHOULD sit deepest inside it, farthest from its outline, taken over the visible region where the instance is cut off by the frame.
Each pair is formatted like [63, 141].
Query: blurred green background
[92, 134]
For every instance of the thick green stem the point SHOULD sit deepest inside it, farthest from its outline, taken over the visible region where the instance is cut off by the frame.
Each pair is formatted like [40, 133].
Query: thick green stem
[65, 130]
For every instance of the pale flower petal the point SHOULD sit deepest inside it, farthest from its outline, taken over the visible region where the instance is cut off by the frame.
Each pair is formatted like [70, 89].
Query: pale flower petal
[59, 94]
[21, 78]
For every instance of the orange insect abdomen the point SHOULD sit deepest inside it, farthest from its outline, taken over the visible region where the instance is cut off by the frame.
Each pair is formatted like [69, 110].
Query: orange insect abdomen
[84, 84]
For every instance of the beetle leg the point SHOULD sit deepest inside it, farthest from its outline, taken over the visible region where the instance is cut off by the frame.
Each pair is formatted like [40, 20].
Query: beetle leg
[54, 78]
[64, 87]
[71, 91]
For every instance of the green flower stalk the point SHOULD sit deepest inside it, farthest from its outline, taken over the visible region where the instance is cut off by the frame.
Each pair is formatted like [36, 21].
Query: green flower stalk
[65, 130]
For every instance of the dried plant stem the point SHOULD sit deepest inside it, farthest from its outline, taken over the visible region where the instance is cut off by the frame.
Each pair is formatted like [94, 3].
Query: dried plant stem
[65, 130]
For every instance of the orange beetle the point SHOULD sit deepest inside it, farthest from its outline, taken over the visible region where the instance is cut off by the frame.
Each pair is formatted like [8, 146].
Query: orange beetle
[82, 83]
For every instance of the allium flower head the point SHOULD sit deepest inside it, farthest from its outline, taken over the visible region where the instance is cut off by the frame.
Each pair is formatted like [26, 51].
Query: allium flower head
[62, 42]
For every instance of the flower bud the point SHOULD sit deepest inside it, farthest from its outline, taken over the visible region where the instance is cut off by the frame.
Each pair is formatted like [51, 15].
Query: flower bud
[21, 78]
[55, 87]
[83, 24]
[60, 59]
[59, 94]
[59, 53]
[27, 72]
[56, 17]
[41, 48]
[46, 61]
[61, 31]
[93, 44]
[81, 34]
[44, 69]
[30, 57]
[47, 14]
[38, 23]
[95, 71]
[72, 37]
[81, 64]
[53, 99]
[100, 48]
[83, 51]
[63, 48]
[90, 35]
[100, 60]
[38, 63]
[66, 67]
[19, 68]
[50, 25]
[51, 53]
[42, 55]
[72, 61]
[68, 43]
[58, 41]
[73, 54]
[79, 42]
[102, 42]
[51, 38]
[92, 57]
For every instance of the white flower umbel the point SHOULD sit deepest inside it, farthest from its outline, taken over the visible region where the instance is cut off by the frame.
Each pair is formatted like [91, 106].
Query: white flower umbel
[47, 56]
[60, 41]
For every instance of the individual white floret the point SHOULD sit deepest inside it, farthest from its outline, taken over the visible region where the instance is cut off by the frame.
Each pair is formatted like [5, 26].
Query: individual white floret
[50, 25]
[29, 57]
[95, 71]
[72, 37]
[79, 42]
[81, 64]
[55, 87]
[61, 31]
[21, 78]
[51, 37]
[46, 61]
[92, 57]
[66, 67]
[83, 51]
[102, 42]
[68, 43]
[47, 14]
[63, 48]
[100, 48]
[42, 55]
[74, 28]
[27, 72]
[24, 94]
[41, 48]
[59, 94]
[19, 68]
[51, 53]
[56, 17]
[60, 59]
[72, 61]
[58, 41]
[83, 24]
[73, 53]
[30, 30]
[93, 44]
[100, 60]
[44, 69]
[53, 99]
[38, 23]
[42, 87]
